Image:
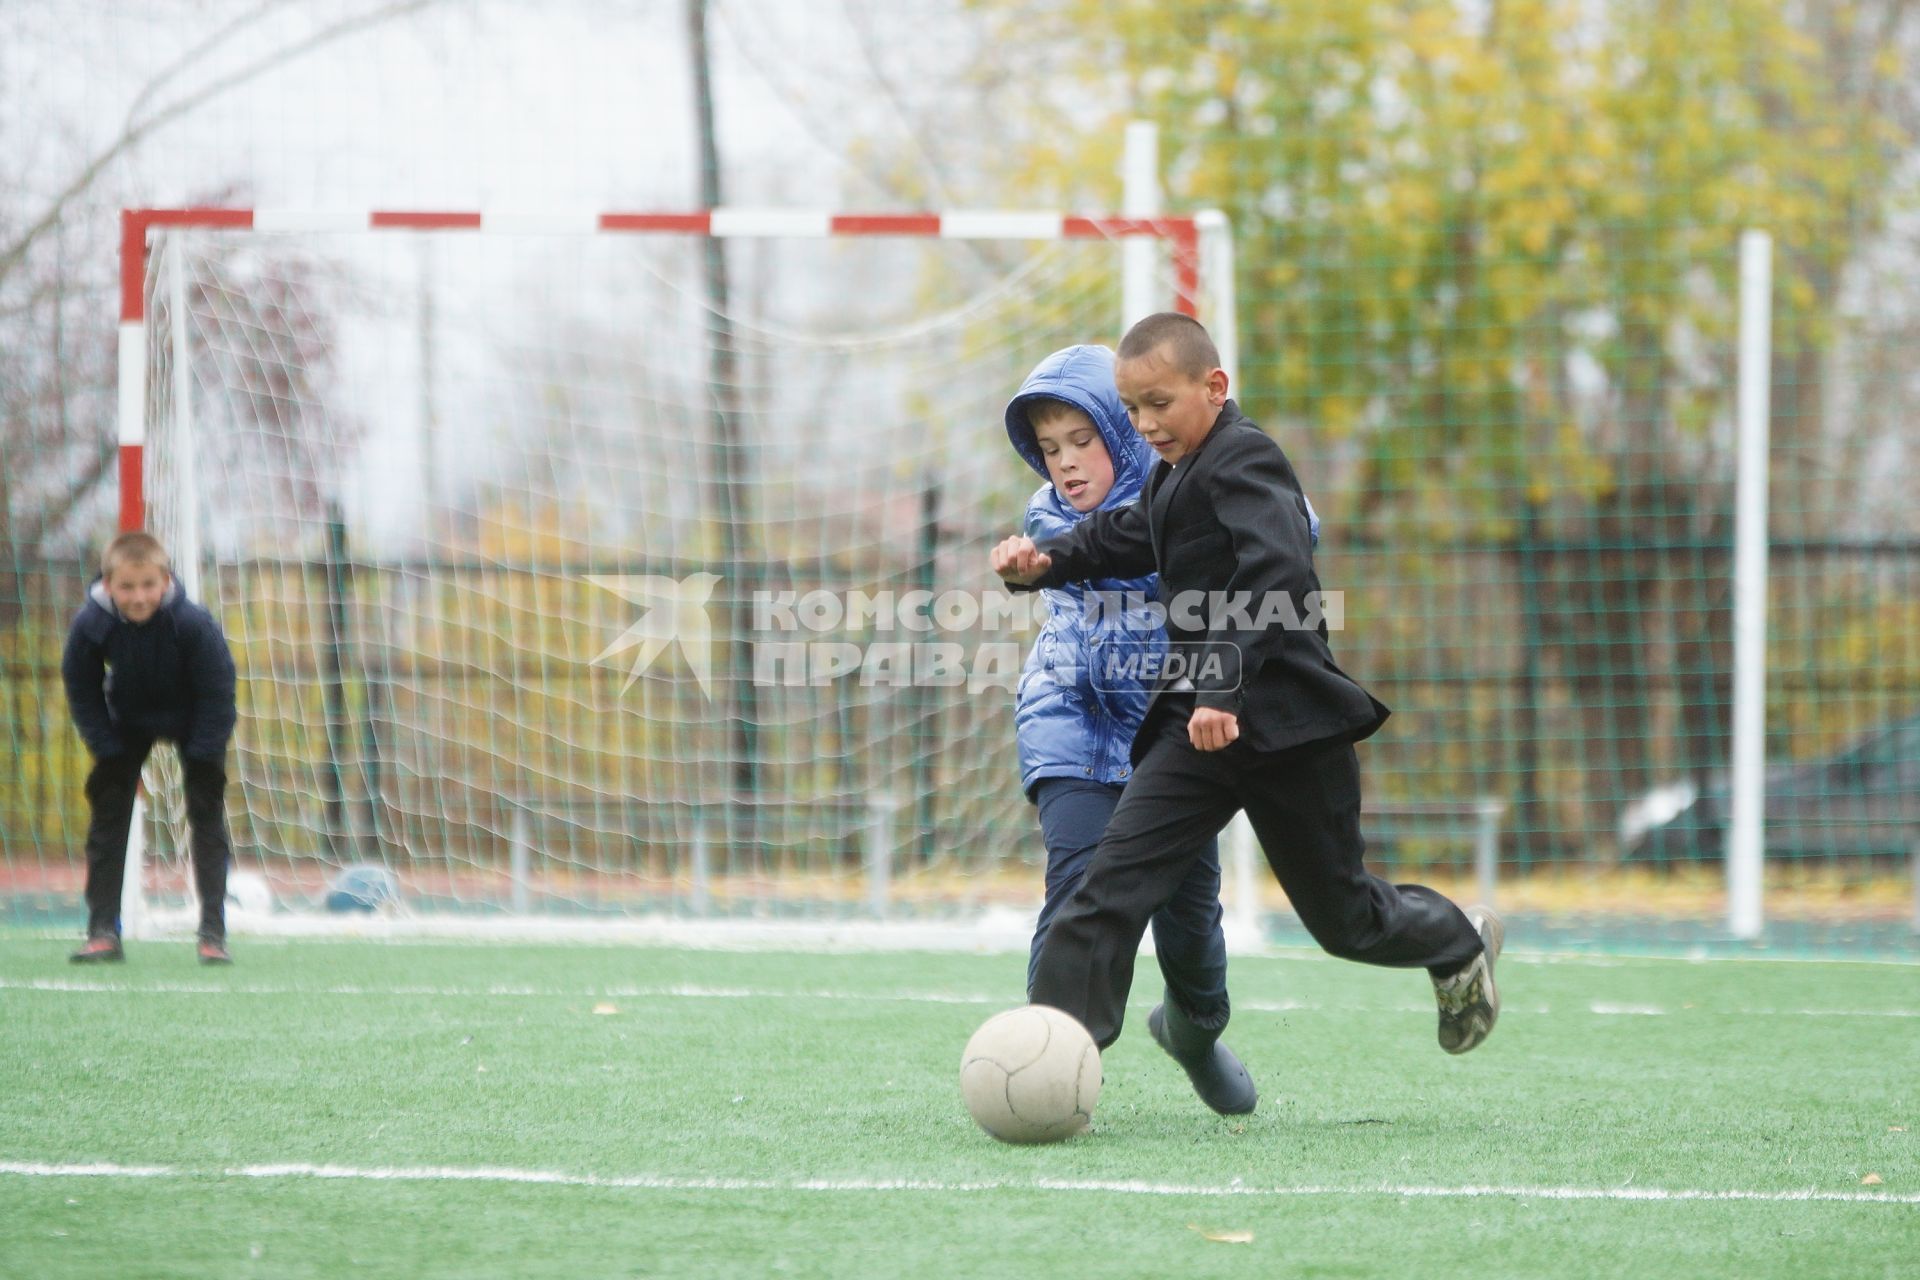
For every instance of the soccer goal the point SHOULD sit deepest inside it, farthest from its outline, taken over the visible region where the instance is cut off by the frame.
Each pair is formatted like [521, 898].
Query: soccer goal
[617, 567]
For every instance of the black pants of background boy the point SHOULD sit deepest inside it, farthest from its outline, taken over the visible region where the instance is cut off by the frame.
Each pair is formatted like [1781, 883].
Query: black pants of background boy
[111, 788]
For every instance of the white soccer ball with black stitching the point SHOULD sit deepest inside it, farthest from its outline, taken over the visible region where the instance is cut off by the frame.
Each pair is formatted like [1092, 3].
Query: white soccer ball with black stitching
[1031, 1074]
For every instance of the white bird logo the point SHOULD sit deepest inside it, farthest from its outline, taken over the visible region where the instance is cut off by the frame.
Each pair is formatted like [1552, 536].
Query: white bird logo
[674, 611]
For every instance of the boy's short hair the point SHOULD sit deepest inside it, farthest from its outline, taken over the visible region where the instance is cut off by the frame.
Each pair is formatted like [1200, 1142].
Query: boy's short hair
[136, 547]
[1188, 345]
[1044, 409]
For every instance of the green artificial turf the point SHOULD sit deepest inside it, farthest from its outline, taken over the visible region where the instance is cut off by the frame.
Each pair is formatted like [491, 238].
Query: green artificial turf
[356, 1108]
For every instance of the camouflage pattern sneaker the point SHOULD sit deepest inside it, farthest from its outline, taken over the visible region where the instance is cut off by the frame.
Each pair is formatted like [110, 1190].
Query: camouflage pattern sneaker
[1468, 1002]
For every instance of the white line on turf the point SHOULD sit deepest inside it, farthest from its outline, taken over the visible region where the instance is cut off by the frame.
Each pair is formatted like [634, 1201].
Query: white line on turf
[690, 991]
[667, 1182]
[1004, 931]
[28, 1169]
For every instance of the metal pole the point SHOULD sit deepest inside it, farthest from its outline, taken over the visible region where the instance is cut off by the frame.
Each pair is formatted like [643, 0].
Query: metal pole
[1746, 831]
[429, 391]
[1486, 847]
[1220, 309]
[700, 899]
[132, 433]
[1139, 198]
[1914, 859]
[185, 501]
[1243, 921]
[1219, 304]
[520, 860]
[880, 853]
[333, 690]
[732, 493]
[134, 918]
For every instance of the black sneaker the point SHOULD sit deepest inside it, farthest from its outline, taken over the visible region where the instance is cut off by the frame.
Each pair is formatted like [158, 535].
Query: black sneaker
[100, 949]
[1217, 1076]
[1469, 1003]
[214, 951]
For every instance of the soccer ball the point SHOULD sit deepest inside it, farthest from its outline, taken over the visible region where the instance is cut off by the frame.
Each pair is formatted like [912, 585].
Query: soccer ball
[1031, 1074]
[363, 887]
[249, 893]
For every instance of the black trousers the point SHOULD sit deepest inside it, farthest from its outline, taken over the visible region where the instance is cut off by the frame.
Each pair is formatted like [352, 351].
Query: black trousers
[110, 791]
[1187, 936]
[1304, 805]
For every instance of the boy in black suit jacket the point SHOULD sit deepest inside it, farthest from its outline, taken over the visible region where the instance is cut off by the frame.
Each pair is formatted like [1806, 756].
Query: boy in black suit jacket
[1264, 721]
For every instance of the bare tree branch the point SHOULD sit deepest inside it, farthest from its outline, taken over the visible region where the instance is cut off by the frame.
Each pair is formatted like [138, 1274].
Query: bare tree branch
[193, 57]
[77, 490]
[135, 133]
[861, 25]
[816, 127]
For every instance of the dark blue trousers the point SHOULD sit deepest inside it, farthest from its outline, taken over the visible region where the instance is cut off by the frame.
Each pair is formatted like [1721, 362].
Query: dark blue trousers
[1187, 938]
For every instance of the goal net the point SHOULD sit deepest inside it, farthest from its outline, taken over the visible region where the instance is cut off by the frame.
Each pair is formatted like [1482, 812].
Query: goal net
[627, 568]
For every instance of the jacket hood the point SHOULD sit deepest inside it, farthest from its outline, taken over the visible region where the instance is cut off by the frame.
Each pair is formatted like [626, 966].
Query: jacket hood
[1082, 376]
[99, 594]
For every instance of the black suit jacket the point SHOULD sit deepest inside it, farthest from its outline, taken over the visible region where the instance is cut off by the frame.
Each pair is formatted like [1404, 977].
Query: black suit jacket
[1228, 524]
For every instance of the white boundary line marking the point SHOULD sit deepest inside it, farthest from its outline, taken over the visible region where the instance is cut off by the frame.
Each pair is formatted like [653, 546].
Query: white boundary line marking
[1003, 931]
[668, 1182]
[688, 991]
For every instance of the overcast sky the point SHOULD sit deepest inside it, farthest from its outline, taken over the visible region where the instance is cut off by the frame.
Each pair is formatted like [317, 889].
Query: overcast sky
[466, 102]
[494, 104]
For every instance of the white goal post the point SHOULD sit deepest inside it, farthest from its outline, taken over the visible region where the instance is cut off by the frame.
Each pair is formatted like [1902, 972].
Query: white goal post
[163, 390]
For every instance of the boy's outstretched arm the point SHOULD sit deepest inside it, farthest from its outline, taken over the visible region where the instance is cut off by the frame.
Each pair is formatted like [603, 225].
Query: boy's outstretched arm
[1018, 562]
[1113, 542]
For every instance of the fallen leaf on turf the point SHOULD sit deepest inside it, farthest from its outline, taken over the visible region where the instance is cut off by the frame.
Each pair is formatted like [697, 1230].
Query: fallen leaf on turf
[605, 1006]
[1222, 1237]
[1871, 1180]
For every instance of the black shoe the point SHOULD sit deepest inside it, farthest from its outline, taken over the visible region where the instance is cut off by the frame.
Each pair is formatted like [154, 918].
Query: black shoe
[1217, 1075]
[214, 951]
[101, 949]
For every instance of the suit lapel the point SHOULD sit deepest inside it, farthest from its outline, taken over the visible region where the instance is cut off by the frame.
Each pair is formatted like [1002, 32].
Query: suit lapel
[1162, 498]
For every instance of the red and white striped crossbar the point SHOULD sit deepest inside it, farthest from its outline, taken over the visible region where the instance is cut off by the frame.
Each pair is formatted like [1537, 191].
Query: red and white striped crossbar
[1181, 233]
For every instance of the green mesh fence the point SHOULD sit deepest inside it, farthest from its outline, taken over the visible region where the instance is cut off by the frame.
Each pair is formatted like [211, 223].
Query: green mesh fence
[1487, 280]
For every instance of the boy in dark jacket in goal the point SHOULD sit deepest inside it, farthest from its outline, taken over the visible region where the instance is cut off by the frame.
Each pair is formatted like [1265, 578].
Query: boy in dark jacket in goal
[144, 663]
[1267, 724]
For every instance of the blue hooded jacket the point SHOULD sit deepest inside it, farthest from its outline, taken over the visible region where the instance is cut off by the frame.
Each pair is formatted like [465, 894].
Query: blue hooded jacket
[1065, 726]
[171, 676]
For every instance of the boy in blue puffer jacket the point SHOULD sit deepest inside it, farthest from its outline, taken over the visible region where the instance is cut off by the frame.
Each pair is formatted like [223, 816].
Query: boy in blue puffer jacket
[143, 663]
[1075, 730]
